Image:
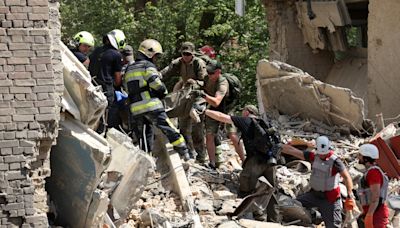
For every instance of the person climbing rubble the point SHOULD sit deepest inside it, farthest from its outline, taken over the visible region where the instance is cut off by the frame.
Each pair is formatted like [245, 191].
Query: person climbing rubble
[261, 151]
[192, 71]
[81, 44]
[324, 181]
[216, 94]
[105, 67]
[146, 91]
[373, 189]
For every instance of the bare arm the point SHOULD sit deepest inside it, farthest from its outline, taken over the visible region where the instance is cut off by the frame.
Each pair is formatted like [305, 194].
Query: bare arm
[348, 182]
[214, 101]
[219, 116]
[118, 79]
[288, 149]
[375, 192]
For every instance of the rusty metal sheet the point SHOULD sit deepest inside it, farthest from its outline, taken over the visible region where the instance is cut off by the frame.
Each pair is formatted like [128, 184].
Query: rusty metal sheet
[387, 160]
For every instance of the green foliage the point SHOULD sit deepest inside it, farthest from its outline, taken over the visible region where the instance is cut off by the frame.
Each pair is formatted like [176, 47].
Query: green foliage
[240, 41]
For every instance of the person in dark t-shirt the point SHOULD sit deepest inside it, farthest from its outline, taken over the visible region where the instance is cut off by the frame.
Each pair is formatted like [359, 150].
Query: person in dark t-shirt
[82, 43]
[105, 68]
[255, 164]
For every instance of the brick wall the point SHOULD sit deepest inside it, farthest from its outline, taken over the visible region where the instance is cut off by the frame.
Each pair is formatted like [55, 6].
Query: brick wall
[30, 88]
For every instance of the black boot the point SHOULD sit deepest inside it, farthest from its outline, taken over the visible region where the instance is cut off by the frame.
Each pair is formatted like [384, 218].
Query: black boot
[183, 152]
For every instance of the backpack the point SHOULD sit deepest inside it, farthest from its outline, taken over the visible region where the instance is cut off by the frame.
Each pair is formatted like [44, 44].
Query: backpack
[235, 88]
[265, 137]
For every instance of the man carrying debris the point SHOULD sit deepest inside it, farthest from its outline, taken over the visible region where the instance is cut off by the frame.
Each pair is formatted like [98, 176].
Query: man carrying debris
[145, 91]
[190, 69]
[258, 160]
[82, 43]
[216, 92]
[373, 189]
[105, 68]
[324, 181]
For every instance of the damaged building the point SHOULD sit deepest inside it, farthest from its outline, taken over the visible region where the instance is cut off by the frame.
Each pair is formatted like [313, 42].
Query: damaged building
[345, 43]
[53, 165]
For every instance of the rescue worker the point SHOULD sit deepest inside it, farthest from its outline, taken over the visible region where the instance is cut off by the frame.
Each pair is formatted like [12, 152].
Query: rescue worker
[373, 189]
[145, 91]
[82, 43]
[190, 69]
[105, 68]
[324, 181]
[256, 163]
[216, 88]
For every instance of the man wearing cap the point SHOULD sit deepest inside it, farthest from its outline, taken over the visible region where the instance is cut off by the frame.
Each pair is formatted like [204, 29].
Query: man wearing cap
[216, 90]
[256, 164]
[324, 181]
[373, 189]
[190, 69]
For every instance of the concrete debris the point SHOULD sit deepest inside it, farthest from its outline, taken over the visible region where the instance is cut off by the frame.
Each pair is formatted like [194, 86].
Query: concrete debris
[293, 92]
[82, 99]
[78, 162]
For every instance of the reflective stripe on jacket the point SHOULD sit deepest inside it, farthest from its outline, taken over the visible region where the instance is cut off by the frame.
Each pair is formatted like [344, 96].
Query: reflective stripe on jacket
[143, 83]
[364, 192]
[321, 175]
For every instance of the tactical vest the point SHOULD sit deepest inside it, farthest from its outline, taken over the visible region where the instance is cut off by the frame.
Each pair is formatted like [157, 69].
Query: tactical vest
[321, 175]
[364, 192]
[142, 98]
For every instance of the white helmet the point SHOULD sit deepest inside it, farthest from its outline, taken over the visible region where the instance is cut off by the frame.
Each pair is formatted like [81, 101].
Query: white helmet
[117, 38]
[369, 150]
[150, 48]
[323, 145]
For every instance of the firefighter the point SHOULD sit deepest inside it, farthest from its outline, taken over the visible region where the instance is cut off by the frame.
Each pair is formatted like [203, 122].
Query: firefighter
[105, 68]
[373, 189]
[145, 89]
[324, 181]
[82, 43]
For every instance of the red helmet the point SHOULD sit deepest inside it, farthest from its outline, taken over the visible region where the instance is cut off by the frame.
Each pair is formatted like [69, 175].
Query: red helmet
[208, 50]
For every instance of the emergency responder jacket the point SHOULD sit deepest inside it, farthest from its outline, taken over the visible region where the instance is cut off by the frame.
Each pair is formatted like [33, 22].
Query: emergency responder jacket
[144, 86]
[321, 175]
[364, 192]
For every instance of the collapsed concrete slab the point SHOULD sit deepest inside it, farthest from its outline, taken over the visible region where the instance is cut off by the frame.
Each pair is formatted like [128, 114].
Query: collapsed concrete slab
[134, 165]
[77, 163]
[80, 92]
[292, 91]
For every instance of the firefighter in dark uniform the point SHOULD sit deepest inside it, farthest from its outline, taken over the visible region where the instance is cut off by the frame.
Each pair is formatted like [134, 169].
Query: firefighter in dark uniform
[145, 89]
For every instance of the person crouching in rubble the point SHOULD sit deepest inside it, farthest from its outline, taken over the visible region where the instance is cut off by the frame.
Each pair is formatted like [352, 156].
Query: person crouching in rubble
[324, 181]
[257, 163]
[373, 189]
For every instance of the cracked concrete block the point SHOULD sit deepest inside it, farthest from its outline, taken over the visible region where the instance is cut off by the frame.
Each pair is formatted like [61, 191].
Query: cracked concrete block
[134, 165]
[77, 163]
[89, 99]
[299, 93]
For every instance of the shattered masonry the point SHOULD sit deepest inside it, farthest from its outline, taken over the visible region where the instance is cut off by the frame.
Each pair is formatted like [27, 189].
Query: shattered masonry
[30, 87]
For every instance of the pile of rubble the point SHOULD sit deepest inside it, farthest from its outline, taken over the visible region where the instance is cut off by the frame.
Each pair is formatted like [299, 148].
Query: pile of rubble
[215, 191]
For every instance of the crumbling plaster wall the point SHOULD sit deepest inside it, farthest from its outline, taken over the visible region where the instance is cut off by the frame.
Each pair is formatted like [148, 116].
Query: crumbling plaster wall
[287, 44]
[31, 83]
[383, 58]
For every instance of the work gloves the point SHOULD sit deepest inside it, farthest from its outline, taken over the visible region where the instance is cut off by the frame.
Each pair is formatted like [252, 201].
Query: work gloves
[369, 221]
[349, 204]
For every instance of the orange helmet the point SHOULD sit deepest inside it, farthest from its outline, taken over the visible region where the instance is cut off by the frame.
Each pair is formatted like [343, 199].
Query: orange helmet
[209, 51]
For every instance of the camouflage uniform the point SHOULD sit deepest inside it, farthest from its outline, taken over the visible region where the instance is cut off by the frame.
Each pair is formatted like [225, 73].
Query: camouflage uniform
[221, 87]
[196, 69]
